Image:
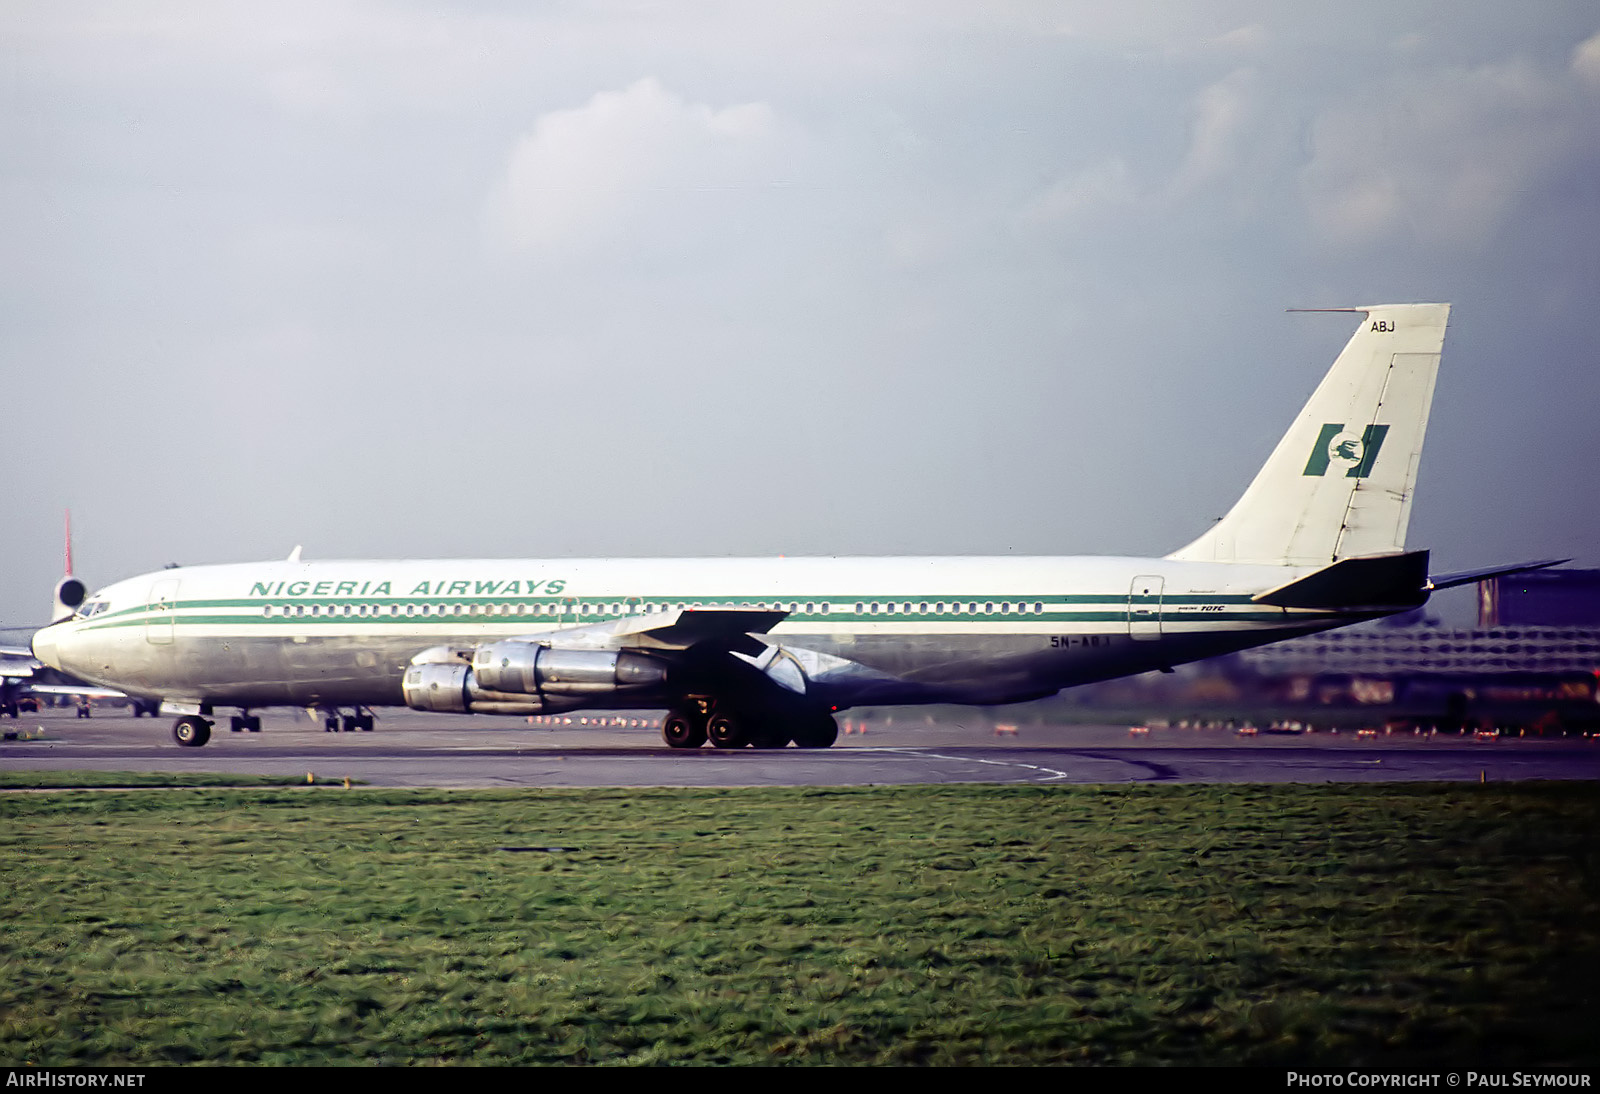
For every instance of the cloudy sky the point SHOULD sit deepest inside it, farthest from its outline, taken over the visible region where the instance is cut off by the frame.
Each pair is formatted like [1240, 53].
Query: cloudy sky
[619, 278]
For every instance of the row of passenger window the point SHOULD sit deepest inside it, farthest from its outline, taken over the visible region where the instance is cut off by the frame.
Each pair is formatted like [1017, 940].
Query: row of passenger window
[392, 611]
[940, 607]
[618, 608]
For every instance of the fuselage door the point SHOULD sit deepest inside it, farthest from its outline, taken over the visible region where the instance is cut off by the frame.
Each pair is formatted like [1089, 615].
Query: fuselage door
[1144, 607]
[163, 603]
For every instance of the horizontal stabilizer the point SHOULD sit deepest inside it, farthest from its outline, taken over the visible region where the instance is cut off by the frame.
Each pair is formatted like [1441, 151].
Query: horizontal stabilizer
[1467, 577]
[1382, 581]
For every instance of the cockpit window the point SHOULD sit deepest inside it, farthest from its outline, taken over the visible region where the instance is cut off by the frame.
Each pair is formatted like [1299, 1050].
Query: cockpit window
[92, 608]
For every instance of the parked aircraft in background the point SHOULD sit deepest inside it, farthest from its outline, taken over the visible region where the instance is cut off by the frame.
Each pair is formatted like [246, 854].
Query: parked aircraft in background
[762, 652]
[24, 679]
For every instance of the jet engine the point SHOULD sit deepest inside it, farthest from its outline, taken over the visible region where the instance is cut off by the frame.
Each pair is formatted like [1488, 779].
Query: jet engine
[519, 677]
[69, 594]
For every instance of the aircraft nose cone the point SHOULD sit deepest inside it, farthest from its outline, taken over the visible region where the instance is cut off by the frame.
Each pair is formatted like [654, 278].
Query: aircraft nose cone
[44, 647]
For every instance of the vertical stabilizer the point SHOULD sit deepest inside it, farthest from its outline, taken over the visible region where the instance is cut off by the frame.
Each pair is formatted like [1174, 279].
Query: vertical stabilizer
[69, 591]
[1340, 483]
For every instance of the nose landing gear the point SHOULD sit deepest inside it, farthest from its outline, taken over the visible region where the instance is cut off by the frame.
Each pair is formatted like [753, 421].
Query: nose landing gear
[191, 730]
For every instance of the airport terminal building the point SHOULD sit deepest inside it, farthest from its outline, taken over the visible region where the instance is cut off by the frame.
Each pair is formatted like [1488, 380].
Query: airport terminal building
[1533, 659]
[1532, 664]
[1425, 649]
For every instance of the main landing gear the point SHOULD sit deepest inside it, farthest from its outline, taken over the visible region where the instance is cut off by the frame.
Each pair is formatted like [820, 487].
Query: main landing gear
[359, 721]
[700, 720]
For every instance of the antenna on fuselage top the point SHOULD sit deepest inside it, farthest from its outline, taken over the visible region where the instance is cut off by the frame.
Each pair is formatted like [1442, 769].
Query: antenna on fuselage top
[294, 555]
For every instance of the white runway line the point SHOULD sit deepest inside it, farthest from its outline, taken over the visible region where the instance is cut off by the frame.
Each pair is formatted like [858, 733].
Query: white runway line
[1051, 773]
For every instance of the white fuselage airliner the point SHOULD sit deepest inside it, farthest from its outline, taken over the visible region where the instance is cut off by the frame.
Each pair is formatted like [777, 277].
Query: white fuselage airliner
[762, 651]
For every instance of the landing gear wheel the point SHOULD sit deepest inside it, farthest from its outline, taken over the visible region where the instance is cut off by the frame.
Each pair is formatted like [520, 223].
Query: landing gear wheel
[191, 731]
[728, 731]
[774, 733]
[817, 731]
[683, 730]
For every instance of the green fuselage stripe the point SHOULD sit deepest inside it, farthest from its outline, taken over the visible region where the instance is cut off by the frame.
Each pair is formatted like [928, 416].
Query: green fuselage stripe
[536, 611]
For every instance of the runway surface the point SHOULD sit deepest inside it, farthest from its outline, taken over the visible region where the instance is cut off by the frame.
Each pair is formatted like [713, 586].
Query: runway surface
[411, 749]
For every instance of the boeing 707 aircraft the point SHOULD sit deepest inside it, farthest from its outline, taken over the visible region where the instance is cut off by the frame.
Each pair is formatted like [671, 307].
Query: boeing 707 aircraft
[763, 652]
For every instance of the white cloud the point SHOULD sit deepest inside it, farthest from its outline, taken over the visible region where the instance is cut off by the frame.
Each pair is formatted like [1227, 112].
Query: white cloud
[580, 175]
[1081, 196]
[1251, 38]
[1446, 157]
[1586, 61]
[1224, 151]
[1223, 113]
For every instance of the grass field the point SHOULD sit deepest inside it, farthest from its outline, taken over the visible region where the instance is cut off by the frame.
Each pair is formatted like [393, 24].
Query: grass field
[130, 780]
[1400, 925]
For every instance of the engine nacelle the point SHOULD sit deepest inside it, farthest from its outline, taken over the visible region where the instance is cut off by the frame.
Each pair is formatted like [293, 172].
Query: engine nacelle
[69, 594]
[530, 668]
[515, 677]
[438, 687]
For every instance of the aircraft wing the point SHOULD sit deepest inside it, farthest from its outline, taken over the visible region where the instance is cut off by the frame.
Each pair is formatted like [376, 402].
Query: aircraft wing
[88, 691]
[565, 669]
[18, 664]
[705, 634]
[724, 628]
[21, 671]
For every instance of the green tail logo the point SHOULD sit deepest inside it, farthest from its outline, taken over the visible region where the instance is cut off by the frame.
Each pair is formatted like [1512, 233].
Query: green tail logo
[1336, 448]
